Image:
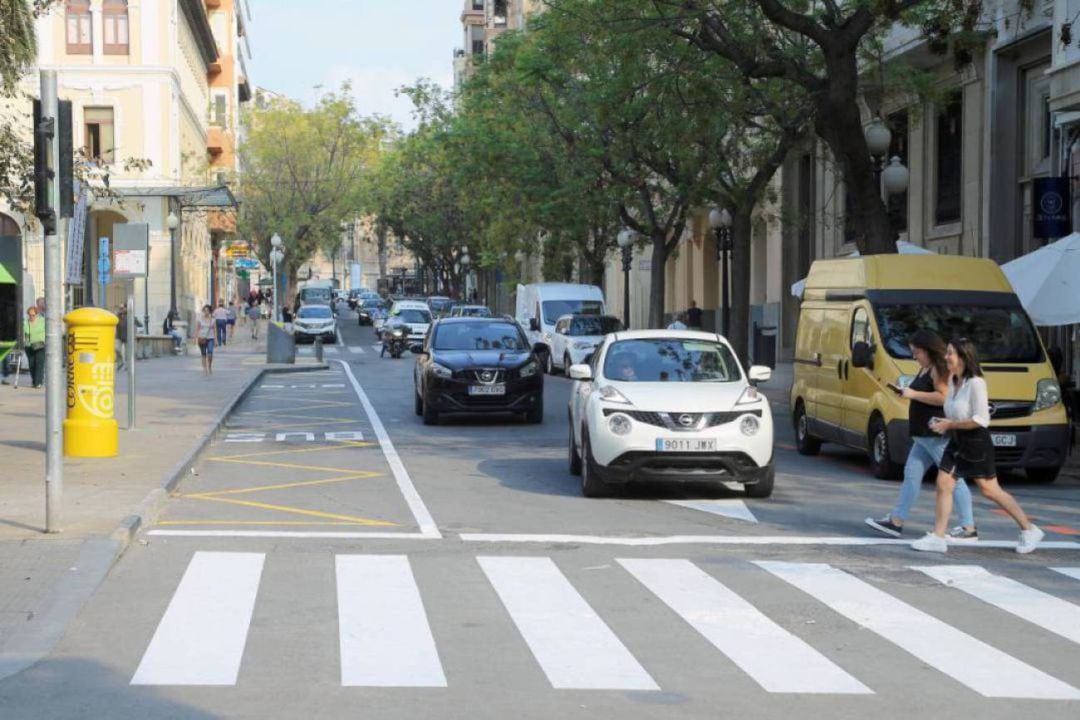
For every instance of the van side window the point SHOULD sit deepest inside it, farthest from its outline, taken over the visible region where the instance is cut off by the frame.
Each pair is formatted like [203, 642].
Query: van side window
[860, 328]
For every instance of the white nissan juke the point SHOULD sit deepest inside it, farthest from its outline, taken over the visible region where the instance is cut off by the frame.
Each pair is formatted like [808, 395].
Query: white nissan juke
[669, 406]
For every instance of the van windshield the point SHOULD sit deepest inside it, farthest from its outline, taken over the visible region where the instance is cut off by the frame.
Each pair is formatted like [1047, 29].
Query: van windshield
[555, 309]
[1000, 334]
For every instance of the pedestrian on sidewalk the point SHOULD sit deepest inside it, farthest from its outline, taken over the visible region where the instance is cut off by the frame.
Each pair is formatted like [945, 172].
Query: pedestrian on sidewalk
[221, 323]
[927, 395]
[169, 328]
[204, 335]
[34, 337]
[230, 319]
[970, 451]
[253, 314]
[693, 315]
[120, 340]
[678, 323]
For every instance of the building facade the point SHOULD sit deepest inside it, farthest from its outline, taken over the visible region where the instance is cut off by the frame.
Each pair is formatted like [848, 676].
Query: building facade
[482, 22]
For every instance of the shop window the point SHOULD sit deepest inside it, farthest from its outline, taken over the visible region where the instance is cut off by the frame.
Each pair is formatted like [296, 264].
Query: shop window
[79, 27]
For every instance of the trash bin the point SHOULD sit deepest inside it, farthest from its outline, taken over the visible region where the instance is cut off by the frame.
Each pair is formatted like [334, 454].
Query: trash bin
[280, 346]
[765, 345]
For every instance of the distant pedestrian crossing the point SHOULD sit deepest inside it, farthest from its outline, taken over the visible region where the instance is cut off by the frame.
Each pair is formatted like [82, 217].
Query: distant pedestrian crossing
[338, 350]
[388, 629]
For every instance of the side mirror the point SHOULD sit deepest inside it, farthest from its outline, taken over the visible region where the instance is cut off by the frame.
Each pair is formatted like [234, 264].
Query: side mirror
[580, 372]
[862, 355]
[534, 325]
[540, 349]
[417, 349]
[759, 374]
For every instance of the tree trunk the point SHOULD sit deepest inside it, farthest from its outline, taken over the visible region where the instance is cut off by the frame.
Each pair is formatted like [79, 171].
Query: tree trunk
[839, 123]
[657, 277]
[742, 233]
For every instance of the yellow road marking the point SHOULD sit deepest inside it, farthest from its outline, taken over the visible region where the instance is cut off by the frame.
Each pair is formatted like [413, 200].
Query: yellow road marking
[297, 511]
[254, 522]
[341, 445]
[284, 486]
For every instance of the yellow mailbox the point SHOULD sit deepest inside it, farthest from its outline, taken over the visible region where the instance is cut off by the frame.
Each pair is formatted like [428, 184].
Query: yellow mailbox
[90, 429]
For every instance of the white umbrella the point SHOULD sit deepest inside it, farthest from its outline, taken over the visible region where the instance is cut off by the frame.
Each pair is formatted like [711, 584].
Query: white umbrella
[1047, 281]
[902, 247]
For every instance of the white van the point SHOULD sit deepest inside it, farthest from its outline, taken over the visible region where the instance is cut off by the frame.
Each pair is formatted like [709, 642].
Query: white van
[540, 305]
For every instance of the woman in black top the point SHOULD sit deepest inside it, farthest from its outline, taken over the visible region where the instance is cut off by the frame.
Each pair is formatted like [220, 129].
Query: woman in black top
[927, 395]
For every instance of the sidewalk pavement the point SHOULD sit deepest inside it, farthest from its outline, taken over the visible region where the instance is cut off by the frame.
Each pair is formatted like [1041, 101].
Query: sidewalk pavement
[45, 578]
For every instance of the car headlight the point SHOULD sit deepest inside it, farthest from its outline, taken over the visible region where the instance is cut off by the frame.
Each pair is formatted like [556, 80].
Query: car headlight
[1047, 394]
[610, 394]
[441, 371]
[398, 332]
[749, 425]
[750, 395]
[528, 369]
[619, 424]
[583, 345]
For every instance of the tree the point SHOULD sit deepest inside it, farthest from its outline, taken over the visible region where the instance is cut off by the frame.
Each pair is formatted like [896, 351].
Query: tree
[304, 172]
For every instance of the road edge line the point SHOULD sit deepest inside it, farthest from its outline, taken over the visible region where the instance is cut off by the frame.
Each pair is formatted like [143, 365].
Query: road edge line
[423, 518]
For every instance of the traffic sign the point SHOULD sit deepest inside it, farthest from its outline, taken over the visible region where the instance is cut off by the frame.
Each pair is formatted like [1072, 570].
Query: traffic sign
[103, 261]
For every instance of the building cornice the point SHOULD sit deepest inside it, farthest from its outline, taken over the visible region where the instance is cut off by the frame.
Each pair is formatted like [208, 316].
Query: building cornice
[195, 14]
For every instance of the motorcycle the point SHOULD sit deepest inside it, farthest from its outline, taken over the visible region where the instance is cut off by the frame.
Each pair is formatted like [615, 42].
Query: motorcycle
[395, 339]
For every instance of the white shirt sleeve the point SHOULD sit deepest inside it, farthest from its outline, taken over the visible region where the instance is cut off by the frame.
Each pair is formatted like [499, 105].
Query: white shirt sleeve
[980, 402]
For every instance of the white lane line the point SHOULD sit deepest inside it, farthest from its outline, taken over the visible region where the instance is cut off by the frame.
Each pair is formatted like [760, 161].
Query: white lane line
[200, 639]
[332, 385]
[1073, 572]
[985, 669]
[774, 658]
[1043, 609]
[294, 534]
[383, 629]
[730, 508]
[356, 350]
[397, 467]
[573, 645]
[632, 541]
[330, 349]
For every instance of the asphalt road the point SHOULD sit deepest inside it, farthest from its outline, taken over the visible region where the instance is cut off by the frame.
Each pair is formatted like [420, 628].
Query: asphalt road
[335, 558]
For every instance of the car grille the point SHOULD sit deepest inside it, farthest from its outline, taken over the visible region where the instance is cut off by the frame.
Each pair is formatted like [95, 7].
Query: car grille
[1008, 456]
[1006, 410]
[670, 420]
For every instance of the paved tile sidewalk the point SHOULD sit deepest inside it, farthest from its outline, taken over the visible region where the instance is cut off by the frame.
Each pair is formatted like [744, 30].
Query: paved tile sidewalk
[43, 577]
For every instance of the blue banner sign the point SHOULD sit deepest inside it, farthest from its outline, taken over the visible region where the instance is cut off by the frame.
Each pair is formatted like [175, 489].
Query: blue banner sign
[1050, 206]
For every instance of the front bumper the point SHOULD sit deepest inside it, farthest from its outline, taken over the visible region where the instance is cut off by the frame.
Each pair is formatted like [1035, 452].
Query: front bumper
[684, 468]
[451, 395]
[304, 334]
[1037, 446]
[577, 356]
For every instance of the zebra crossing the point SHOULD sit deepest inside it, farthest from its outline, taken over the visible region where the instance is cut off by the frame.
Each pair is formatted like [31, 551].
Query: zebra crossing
[309, 350]
[385, 638]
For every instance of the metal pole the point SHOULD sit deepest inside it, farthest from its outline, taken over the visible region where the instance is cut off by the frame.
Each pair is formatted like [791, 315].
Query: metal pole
[129, 353]
[726, 303]
[172, 268]
[273, 264]
[55, 392]
[146, 294]
[627, 259]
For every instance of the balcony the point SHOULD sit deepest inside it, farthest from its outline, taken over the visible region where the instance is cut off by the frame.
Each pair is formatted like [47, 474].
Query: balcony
[216, 140]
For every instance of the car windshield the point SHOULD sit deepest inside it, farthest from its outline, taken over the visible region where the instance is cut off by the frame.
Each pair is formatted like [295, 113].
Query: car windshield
[480, 336]
[371, 304]
[555, 309]
[438, 304]
[1000, 334]
[315, 311]
[670, 360]
[592, 325]
[412, 316]
[312, 295]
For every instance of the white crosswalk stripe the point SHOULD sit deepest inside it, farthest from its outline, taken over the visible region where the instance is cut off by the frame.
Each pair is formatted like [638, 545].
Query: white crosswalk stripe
[201, 637]
[1048, 612]
[383, 630]
[331, 349]
[575, 648]
[773, 657]
[356, 350]
[1073, 572]
[985, 669]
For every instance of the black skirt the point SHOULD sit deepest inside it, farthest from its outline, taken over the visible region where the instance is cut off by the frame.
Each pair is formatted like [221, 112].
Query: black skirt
[969, 455]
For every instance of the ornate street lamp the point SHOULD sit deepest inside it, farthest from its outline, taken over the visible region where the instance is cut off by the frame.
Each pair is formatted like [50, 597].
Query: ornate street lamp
[277, 254]
[172, 222]
[720, 222]
[625, 240]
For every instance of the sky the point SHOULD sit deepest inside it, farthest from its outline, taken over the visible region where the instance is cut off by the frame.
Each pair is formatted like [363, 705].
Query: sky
[378, 45]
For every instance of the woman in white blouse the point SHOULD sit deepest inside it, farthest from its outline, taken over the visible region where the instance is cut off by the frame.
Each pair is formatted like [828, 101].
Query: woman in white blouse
[970, 452]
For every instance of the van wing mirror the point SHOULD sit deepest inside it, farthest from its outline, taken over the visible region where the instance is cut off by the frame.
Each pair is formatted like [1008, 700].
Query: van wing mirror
[862, 355]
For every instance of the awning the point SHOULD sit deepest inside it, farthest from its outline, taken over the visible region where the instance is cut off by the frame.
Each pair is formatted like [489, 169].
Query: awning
[188, 197]
[5, 277]
[1047, 281]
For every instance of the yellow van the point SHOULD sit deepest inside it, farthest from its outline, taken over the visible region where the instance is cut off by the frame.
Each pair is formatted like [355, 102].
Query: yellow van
[854, 323]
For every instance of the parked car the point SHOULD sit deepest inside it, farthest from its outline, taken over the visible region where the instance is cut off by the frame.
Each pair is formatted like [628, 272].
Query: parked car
[315, 321]
[852, 343]
[369, 310]
[477, 365]
[576, 337]
[470, 311]
[669, 406]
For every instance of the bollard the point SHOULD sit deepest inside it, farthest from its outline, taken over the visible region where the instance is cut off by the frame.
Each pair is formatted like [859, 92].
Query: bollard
[318, 349]
[90, 429]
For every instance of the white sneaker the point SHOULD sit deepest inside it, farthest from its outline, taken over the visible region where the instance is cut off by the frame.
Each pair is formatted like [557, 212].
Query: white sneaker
[1029, 540]
[930, 543]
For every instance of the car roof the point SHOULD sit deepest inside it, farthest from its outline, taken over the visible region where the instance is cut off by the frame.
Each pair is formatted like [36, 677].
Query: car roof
[411, 305]
[667, 334]
[311, 306]
[464, 320]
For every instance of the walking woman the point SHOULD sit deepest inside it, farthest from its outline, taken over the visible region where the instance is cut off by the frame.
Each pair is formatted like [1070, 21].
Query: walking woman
[204, 334]
[927, 395]
[970, 451]
[34, 332]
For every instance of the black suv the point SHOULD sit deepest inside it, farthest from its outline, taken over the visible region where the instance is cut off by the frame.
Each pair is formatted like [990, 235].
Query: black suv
[477, 365]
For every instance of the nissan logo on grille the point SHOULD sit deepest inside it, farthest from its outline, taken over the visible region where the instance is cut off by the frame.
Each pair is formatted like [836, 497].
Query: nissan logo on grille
[686, 420]
[487, 375]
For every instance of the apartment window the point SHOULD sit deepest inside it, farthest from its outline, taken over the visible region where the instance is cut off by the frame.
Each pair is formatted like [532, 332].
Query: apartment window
[499, 13]
[220, 110]
[114, 18]
[898, 204]
[950, 159]
[477, 40]
[79, 27]
[100, 134]
[478, 5]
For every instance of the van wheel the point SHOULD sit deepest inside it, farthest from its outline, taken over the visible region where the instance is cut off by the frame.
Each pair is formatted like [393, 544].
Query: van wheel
[1042, 475]
[805, 443]
[880, 458]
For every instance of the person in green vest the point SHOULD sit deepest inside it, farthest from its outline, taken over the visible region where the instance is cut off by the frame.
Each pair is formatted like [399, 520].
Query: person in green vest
[34, 335]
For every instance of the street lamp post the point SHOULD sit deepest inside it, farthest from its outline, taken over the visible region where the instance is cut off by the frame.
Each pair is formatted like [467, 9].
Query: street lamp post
[172, 222]
[878, 141]
[465, 261]
[625, 241]
[277, 254]
[720, 221]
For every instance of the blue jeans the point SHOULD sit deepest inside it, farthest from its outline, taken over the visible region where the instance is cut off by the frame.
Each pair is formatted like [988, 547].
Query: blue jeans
[222, 327]
[926, 453]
